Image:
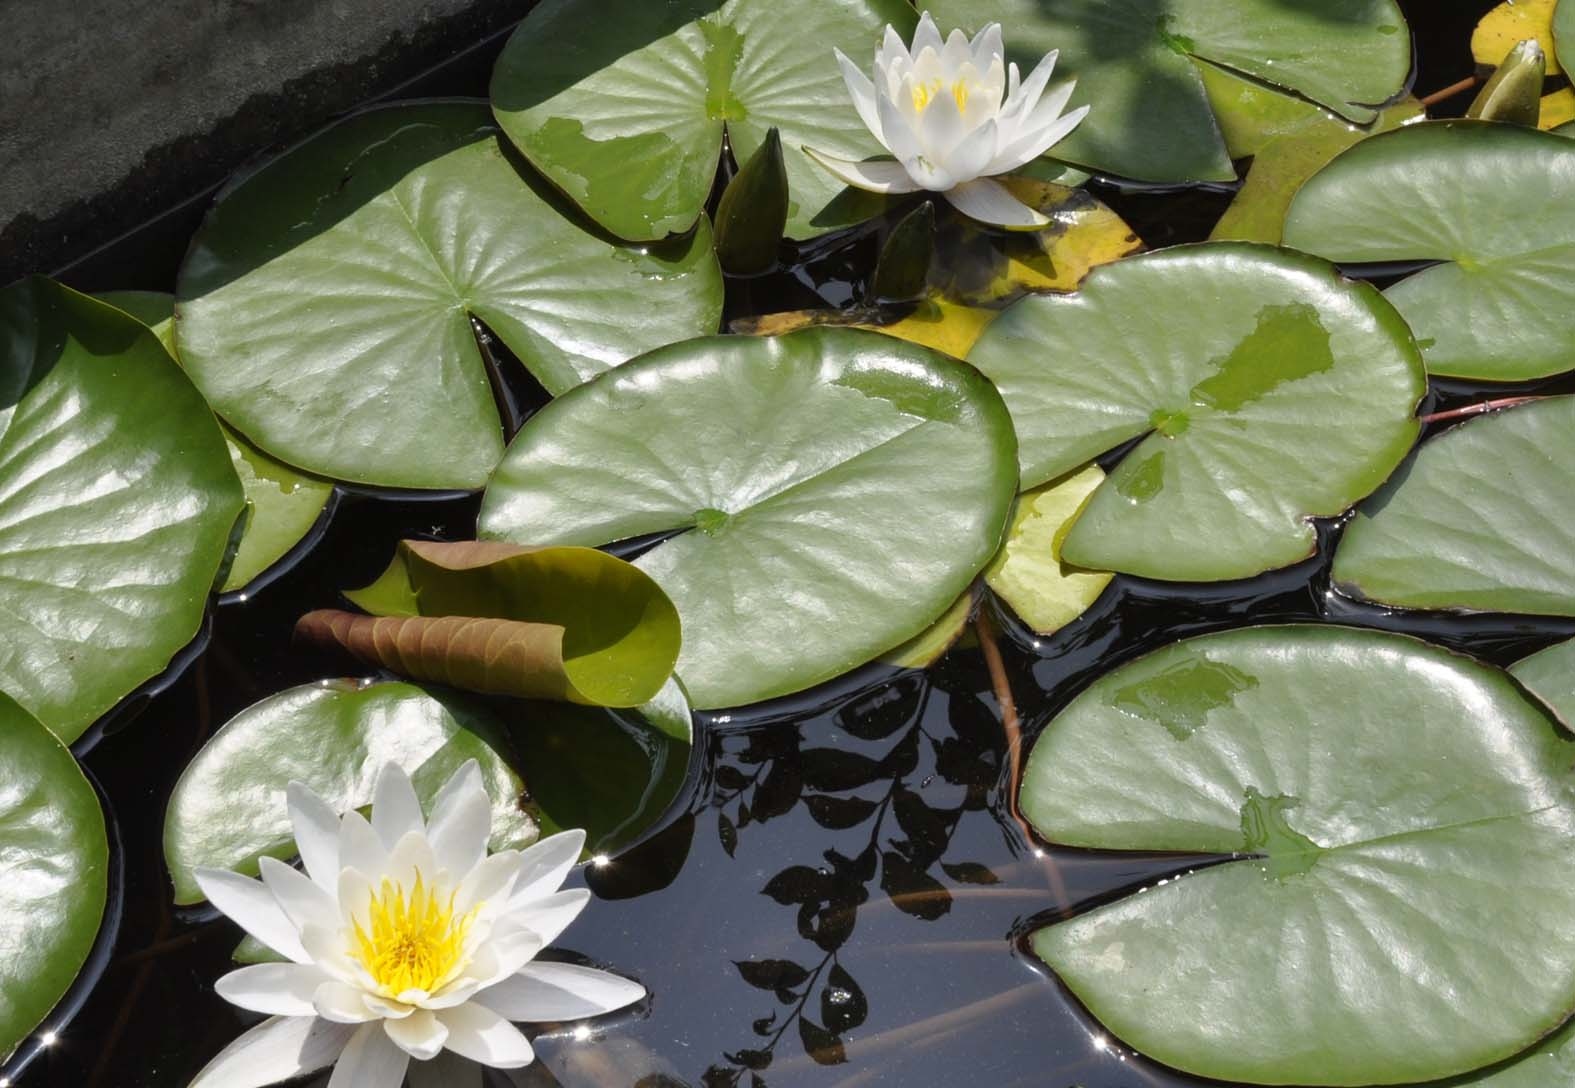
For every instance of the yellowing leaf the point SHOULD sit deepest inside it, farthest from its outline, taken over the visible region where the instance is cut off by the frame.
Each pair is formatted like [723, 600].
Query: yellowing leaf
[1510, 23]
[1028, 573]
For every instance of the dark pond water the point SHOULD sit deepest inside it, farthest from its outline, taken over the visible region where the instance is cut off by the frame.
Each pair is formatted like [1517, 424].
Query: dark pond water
[858, 836]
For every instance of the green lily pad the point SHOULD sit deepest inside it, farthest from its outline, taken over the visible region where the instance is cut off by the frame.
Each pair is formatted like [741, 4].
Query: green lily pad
[1290, 398]
[930, 645]
[228, 809]
[1028, 574]
[1405, 912]
[1501, 306]
[1563, 35]
[284, 504]
[1482, 520]
[623, 103]
[54, 872]
[567, 623]
[1288, 139]
[1550, 676]
[325, 307]
[834, 490]
[1135, 66]
[117, 502]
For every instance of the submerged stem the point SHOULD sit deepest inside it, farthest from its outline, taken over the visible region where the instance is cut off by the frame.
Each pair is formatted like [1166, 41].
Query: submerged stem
[1478, 409]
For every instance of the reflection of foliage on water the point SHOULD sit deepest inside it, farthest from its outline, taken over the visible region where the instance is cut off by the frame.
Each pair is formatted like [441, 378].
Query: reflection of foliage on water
[883, 774]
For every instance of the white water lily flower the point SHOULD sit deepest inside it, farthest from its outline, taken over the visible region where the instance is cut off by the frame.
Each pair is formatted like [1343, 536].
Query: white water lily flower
[404, 939]
[954, 115]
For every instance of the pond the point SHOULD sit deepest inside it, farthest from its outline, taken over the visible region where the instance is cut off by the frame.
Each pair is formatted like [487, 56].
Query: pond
[832, 887]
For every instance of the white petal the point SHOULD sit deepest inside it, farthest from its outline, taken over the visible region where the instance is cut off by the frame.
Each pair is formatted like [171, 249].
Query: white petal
[1022, 100]
[1050, 107]
[328, 951]
[461, 821]
[370, 1061]
[862, 91]
[301, 899]
[355, 898]
[342, 1003]
[990, 202]
[559, 991]
[482, 1035]
[969, 158]
[489, 882]
[942, 128]
[412, 856]
[275, 1050]
[549, 917]
[445, 1071]
[896, 127]
[253, 908]
[359, 846]
[545, 865]
[1029, 148]
[987, 46]
[928, 36]
[420, 1034]
[879, 176]
[455, 993]
[388, 1010]
[316, 834]
[396, 811]
[503, 956]
[275, 989]
[956, 52]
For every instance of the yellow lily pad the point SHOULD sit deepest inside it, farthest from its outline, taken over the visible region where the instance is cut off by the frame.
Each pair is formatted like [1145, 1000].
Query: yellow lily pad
[1028, 572]
[1501, 29]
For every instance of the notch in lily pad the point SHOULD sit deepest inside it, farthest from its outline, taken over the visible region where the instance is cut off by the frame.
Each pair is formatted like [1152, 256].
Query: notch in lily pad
[753, 212]
[570, 623]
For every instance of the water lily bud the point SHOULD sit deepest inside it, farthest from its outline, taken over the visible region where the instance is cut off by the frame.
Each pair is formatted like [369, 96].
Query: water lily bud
[753, 212]
[902, 272]
[1514, 92]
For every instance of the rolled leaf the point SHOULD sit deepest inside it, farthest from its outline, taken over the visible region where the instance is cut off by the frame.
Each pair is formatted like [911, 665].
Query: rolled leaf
[567, 623]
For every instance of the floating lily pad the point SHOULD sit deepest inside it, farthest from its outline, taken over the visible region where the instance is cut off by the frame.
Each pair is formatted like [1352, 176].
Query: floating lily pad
[326, 306]
[566, 623]
[833, 493]
[1412, 817]
[228, 809]
[623, 103]
[1563, 35]
[1501, 306]
[54, 872]
[1266, 390]
[284, 504]
[117, 501]
[1482, 520]
[1288, 140]
[1550, 676]
[1028, 574]
[1134, 62]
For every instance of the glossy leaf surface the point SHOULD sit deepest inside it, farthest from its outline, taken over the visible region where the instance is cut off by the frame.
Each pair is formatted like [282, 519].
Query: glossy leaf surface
[1029, 574]
[54, 872]
[628, 118]
[1404, 916]
[833, 493]
[1483, 519]
[326, 306]
[285, 505]
[228, 809]
[1135, 66]
[1501, 305]
[1265, 389]
[117, 501]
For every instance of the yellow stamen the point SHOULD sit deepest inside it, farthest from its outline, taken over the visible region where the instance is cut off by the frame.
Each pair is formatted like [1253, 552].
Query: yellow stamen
[960, 93]
[412, 942]
[923, 92]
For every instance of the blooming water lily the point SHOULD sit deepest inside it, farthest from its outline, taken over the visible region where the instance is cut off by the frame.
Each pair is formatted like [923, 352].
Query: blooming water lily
[954, 114]
[404, 939]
